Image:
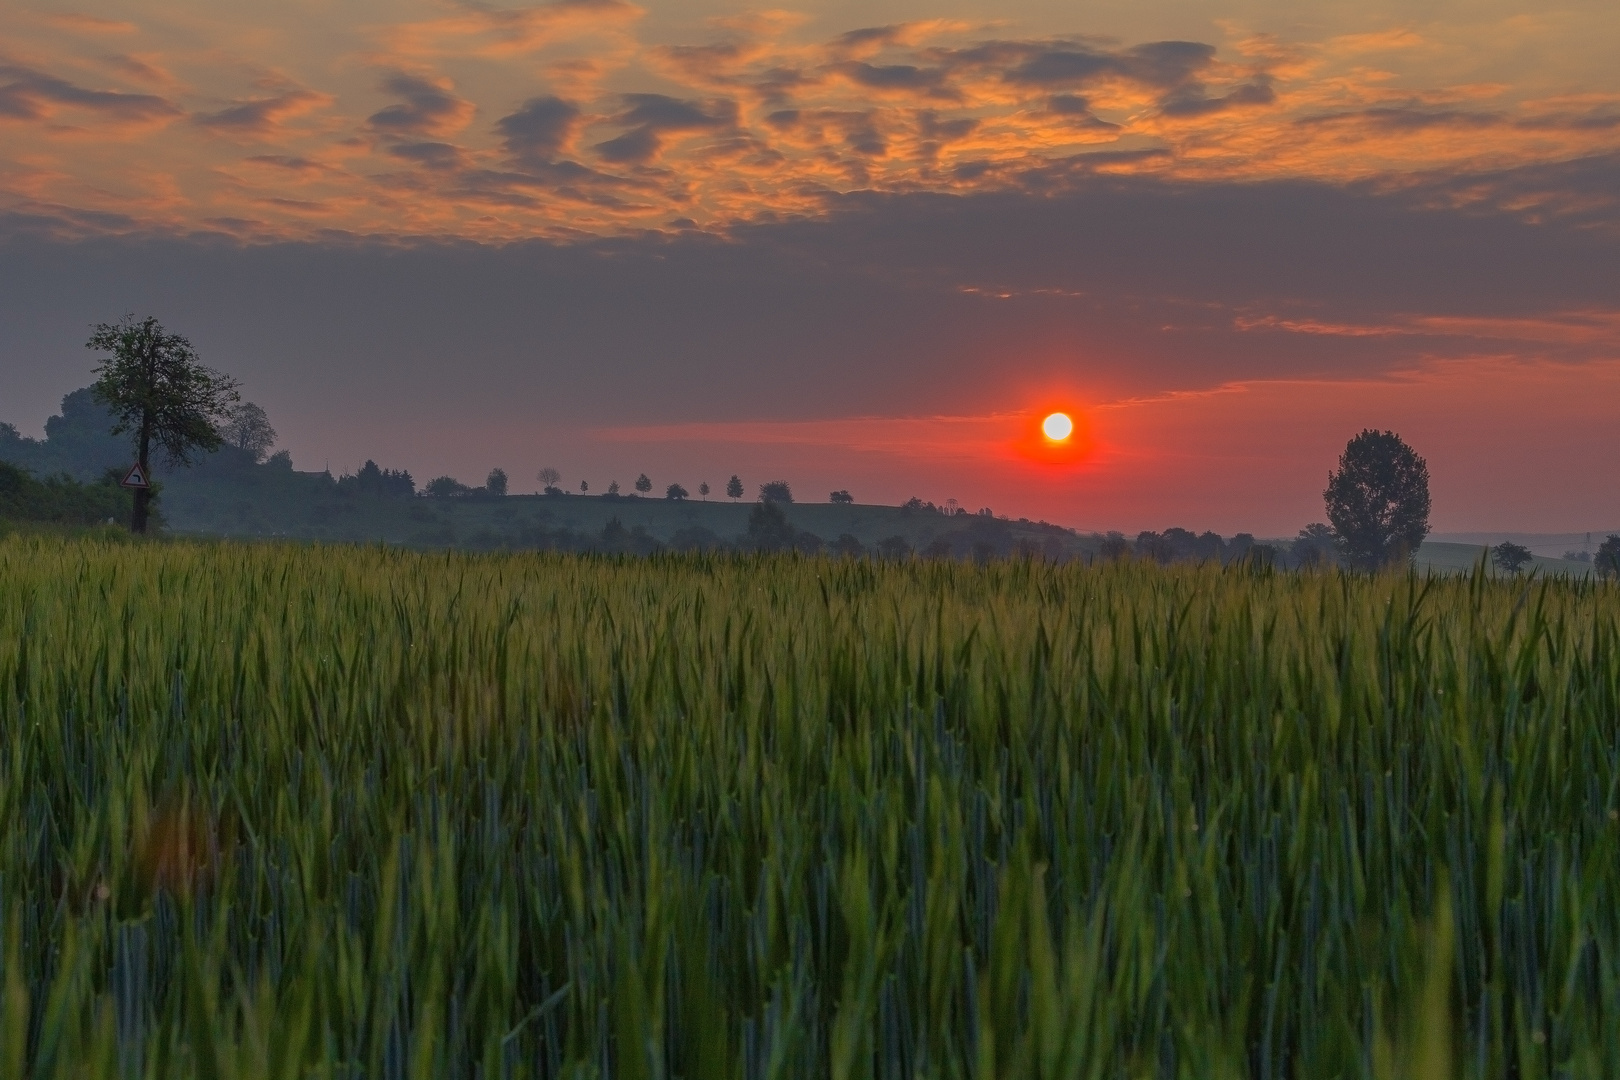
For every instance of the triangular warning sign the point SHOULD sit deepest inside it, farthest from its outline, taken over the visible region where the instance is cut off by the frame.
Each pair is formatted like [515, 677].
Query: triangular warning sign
[135, 478]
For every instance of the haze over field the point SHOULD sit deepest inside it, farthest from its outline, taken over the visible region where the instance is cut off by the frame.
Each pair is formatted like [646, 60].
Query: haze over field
[860, 247]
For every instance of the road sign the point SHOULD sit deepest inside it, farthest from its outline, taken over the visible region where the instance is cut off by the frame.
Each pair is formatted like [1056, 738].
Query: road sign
[135, 478]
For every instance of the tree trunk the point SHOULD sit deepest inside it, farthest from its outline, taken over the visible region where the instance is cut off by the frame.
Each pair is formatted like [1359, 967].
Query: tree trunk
[143, 495]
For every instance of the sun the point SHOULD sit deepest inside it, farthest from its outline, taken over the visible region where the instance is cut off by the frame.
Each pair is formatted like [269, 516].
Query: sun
[1057, 426]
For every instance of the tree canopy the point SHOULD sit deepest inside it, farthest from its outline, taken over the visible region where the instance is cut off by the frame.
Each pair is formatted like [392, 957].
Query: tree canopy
[160, 393]
[1378, 500]
[248, 429]
[1510, 557]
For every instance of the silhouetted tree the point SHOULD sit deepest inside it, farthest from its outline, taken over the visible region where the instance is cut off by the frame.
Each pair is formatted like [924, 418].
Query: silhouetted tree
[734, 488]
[1316, 545]
[894, 547]
[768, 528]
[777, 491]
[847, 546]
[1114, 547]
[160, 392]
[249, 430]
[495, 482]
[443, 487]
[1607, 559]
[613, 488]
[1510, 557]
[370, 480]
[703, 490]
[643, 483]
[675, 492]
[549, 479]
[1378, 501]
[842, 498]
[1152, 545]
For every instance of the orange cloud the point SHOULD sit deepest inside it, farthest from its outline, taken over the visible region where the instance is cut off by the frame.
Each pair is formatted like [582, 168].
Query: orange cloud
[758, 122]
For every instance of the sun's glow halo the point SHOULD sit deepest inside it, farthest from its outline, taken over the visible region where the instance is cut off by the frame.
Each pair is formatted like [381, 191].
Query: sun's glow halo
[1057, 426]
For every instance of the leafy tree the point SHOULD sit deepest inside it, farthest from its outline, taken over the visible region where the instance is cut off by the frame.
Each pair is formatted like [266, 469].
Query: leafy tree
[371, 480]
[1510, 557]
[584, 487]
[777, 491]
[847, 546]
[643, 483]
[249, 430]
[549, 478]
[842, 498]
[613, 488]
[1316, 545]
[703, 490]
[1114, 548]
[734, 488]
[1578, 556]
[444, 487]
[675, 492]
[1378, 501]
[495, 483]
[160, 393]
[1152, 545]
[769, 529]
[894, 547]
[60, 499]
[1607, 560]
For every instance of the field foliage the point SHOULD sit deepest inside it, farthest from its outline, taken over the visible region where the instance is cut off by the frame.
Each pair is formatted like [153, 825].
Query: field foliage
[297, 811]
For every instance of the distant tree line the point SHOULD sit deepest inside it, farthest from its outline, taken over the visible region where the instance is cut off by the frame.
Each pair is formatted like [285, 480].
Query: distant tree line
[61, 500]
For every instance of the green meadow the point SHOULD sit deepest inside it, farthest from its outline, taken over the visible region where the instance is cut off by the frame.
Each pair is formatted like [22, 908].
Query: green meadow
[302, 811]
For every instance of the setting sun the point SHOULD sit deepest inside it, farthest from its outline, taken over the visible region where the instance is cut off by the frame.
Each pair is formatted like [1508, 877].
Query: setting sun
[1057, 426]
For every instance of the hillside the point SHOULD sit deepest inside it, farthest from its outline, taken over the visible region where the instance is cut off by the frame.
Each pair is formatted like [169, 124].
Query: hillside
[263, 502]
[1447, 557]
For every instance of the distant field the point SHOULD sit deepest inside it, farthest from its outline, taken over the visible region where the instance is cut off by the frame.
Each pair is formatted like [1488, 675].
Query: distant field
[330, 811]
[256, 505]
[1450, 557]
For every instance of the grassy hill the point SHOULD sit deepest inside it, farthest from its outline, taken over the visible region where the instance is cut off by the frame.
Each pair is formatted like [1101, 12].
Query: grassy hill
[1454, 558]
[264, 502]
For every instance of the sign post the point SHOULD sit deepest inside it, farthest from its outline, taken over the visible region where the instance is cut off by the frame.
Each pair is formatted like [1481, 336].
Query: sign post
[135, 478]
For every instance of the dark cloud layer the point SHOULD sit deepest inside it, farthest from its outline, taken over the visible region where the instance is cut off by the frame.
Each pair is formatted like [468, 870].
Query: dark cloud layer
[26, 94]
[890, 303]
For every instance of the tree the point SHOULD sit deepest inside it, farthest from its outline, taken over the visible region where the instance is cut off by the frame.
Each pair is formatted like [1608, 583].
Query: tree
[894, 547]
[1607, 560]
[1114, 548]
[842, 498]
[1378, 501]
[249, 430]
[1316, 545]
[1510, 557]
[444, 487]
[848, 546]
[643, 484]
[613, 488]
[495, 483]
[703, 490]
[584, 487]
[777, 491]
[734, 488]
[549, 478]
[675, 492]
[159, 392]
[769, 529]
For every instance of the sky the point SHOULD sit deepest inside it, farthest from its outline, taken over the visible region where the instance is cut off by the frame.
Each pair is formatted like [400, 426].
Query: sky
[852, 246]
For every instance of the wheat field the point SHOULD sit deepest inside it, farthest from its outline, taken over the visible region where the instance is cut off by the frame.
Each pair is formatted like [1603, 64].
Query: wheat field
[298, 811]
